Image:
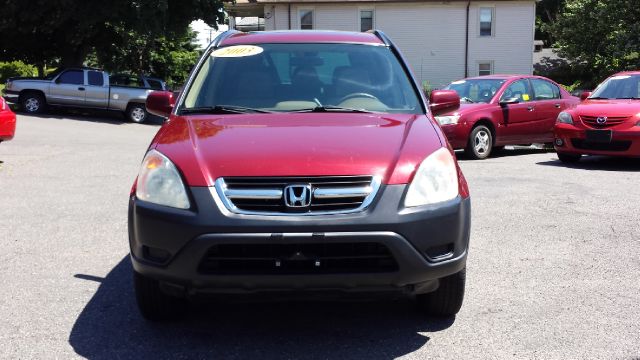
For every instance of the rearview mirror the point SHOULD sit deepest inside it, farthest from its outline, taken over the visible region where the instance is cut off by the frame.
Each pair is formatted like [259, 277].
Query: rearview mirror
[443, 99]
[585, 95]
[160, 103]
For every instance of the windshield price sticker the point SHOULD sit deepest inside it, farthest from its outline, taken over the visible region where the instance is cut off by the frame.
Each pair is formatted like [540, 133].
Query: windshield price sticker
[238, 51]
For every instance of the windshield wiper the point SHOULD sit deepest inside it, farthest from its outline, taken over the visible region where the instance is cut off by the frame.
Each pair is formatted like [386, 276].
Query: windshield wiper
[223, 109]
[598, 98]
[467, 100]
[629, 98]
[322, 108]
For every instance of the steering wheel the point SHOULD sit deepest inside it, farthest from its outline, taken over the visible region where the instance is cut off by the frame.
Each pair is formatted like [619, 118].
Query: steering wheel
[357, 95]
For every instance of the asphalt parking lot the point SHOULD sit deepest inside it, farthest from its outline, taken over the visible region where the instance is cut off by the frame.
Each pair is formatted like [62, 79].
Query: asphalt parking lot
[553, 271]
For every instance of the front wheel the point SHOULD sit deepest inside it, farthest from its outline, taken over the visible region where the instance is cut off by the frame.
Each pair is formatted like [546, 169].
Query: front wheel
[136, 113]
[447, 300]
[32, 103]
[480, 143]
[569, 158]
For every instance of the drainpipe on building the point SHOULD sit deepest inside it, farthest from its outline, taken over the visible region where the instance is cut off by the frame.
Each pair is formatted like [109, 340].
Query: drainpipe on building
[466, 44]
[289, 12]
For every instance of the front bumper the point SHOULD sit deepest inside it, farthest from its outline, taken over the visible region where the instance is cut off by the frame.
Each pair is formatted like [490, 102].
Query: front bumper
[625, 141]
[457, 135]
[11, 96]
[427, 243]
[7, 125]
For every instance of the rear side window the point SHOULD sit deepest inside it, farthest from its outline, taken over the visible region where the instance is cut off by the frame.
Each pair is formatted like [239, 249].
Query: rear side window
[74, 77]
[95, 78]
[545, 90]
[155, 84]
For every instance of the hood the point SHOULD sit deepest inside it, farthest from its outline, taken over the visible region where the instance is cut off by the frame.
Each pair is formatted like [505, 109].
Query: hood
[206, 147]
[611, 108]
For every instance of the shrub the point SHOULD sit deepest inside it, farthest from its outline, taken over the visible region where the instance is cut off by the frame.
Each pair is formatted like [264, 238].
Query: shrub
[16, 68]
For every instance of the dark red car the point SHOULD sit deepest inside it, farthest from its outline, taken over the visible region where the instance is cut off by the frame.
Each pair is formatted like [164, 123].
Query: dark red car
[607, 122]
[7, 121]
[298, 162]
[484, 113]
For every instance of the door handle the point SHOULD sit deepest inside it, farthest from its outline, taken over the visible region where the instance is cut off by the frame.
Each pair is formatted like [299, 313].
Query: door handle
[530, 108]
[81, 88]
[557, 106]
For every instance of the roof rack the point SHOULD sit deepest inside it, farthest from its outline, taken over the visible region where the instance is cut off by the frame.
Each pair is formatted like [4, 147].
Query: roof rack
[216, 43]
[381, 36]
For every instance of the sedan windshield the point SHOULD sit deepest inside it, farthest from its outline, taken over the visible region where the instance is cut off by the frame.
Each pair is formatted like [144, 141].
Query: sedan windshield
[618, 87]
[300, 78]
[476, 90]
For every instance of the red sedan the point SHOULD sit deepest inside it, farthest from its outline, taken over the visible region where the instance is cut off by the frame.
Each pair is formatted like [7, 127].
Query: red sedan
[484, 113]
[606, 123]
[7, 121]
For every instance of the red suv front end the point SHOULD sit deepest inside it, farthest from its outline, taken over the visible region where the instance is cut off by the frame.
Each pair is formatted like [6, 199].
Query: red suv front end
[298, 161]
[605, 123]
[7, 122]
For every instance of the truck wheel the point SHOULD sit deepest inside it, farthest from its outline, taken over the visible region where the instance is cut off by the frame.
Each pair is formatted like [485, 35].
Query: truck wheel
[137, 113]
[154, 305]
[447, 300]
[569, 158]
[480, 143]
[32, 103]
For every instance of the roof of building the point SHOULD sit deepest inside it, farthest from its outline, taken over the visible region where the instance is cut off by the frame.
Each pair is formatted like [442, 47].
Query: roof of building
[301, 36]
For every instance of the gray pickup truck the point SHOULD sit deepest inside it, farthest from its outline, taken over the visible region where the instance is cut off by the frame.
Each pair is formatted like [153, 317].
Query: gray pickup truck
[84, 88]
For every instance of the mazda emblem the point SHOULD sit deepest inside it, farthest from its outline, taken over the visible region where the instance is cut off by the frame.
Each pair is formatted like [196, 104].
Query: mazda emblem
[601, 120]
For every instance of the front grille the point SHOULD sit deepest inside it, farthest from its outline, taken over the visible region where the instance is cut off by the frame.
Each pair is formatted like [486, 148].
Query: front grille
[592, 121]
[292, 259]
[612, 146]
[267, 195]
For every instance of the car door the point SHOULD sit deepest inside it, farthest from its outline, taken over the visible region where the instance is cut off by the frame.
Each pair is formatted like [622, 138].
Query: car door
[549, 103]
[68, 89]
[518, 113]
[97, 90]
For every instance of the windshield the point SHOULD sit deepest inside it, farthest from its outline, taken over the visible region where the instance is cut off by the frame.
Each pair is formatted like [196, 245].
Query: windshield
[299, 77]
[618, 87]
[476, 90]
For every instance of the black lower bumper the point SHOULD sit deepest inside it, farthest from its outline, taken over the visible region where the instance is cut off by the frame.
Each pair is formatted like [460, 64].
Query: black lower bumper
[386, 247]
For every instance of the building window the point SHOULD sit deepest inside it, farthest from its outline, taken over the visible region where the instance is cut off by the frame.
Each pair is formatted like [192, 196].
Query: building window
[485, 68]
[306, 19]
[366, 20]
[486, 21]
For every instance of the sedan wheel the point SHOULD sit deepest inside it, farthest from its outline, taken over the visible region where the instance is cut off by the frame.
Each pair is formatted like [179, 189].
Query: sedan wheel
[480, 143]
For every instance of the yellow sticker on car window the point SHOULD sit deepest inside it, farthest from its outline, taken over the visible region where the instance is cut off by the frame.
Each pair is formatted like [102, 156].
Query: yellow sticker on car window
[525, 97]
[238, 51]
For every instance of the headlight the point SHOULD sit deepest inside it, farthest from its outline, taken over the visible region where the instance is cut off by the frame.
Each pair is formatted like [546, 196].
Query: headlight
[565, 118]
[448, 120]
[436, 180]
[159, 182]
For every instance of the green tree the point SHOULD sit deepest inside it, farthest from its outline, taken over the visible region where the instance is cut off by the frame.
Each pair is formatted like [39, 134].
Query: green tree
[599, 36]
[66, 31]
[546, 13]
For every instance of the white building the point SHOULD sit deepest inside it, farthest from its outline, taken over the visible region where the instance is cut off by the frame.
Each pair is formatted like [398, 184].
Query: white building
[442, 40]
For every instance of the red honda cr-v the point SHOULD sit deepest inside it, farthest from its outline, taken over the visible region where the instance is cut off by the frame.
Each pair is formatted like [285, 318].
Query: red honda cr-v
[298, 162]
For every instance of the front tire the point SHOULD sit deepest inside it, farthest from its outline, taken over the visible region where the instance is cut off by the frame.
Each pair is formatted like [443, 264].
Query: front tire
[480, 143]
[137, 113]
[155, 305]
[569, 158]
[32, 103]
[447, 300]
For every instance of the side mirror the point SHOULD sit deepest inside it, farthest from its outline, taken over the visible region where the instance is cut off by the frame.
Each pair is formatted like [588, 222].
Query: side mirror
[443, 99]
[160, 103]
[585, 95]
[509, 101]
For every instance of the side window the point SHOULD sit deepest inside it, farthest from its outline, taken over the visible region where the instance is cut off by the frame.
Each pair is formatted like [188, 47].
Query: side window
[95, 78]
[74, 77]
[486, 21]
[306, 19]
[155, 84]
[545, 90]
[519, 90]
